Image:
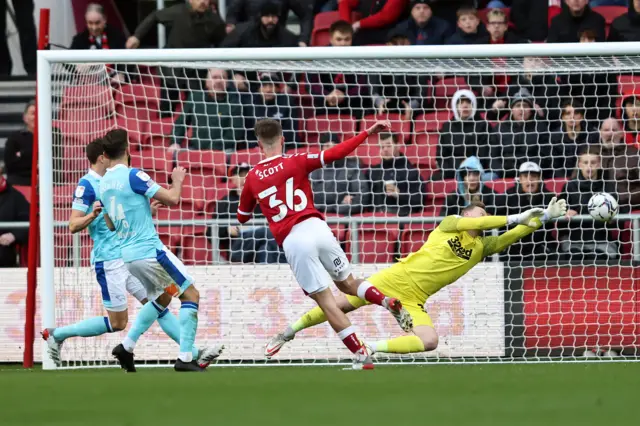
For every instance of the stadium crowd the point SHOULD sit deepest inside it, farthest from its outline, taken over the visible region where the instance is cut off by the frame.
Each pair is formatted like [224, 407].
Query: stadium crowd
[511, 141]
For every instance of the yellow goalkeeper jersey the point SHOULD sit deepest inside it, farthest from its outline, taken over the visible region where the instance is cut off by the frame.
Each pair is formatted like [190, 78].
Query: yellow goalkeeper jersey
[450, 252]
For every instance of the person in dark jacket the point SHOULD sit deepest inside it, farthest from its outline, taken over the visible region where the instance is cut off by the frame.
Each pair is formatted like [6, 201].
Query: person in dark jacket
[396, 183]
[531, 19]
[529, 192]
[341, 187]
[470, 188]
[586, 239]
[23, 14]
[263, 31]
[576, 15]
[215, 115]
[241, 11]
[626, 27]
[376, 18]
[566, 140]
[519, 138]
[268, 102]
[466, 135]
[630, 114]
[469, 28]
[18, 150]
[13, 208]
[247, 244]
[422, 28]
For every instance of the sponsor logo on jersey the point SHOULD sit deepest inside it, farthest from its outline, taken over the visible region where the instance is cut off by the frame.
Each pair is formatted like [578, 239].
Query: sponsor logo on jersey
[79, 191]
[458, 250]
[78, 201]
[143, 176]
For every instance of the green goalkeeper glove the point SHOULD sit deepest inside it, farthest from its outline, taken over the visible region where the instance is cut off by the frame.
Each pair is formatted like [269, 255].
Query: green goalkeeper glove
[526, 218]
[557, 208]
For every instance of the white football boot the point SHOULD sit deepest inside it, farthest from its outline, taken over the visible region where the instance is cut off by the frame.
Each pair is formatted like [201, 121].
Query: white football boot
[275, 344]
[208, 354]
[53, 347]
[401, 315]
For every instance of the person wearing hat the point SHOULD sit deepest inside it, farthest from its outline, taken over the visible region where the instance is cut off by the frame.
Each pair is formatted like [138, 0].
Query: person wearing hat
[269, 102]
[252, 244]
[422, 28]
[528, 192]
[341, 187]
[240, 11]
[470, 188]
[519, 138]
[263, 31]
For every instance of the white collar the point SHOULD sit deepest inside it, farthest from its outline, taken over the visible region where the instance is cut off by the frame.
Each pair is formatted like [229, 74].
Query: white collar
[266, 160]
[94, 174]
[117, 166]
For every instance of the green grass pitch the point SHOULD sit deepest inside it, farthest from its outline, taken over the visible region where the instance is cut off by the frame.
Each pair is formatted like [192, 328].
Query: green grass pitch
[434, 395]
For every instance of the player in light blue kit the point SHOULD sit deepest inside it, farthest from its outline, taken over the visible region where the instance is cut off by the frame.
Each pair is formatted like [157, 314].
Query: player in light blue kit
[125, 193]
[111, 273]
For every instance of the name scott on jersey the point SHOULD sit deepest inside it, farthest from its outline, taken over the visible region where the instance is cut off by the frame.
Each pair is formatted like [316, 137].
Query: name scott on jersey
[270, 171]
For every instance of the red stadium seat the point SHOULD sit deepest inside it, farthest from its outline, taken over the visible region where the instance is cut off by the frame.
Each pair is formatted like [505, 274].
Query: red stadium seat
[171, 235]
[24, 190]
[609, 13]
[158, 159]
[377, 242]
[432, 122]
[79, 127]
[205, 163]
[135, 129]
[196, 250]
[214, 191]
[369, 154]
[628, 83]
[63, 196]
[193, 199]
[158, 133]
[555, 185]
[250, 156]
[341, 124]
[321, 24]
[399, 126]
[501, 185]
[144, 96]
[424, 149]
[87, 97]
[440, 189]
[445, 89]
[414, 236]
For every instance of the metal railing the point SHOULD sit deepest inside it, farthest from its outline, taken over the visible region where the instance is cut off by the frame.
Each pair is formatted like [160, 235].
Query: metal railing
[353, 225]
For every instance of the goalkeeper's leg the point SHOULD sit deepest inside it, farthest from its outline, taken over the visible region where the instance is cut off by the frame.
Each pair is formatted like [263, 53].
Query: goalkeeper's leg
[423, 338]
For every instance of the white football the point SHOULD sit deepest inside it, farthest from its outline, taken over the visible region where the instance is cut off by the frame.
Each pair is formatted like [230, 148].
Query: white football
[603, 207]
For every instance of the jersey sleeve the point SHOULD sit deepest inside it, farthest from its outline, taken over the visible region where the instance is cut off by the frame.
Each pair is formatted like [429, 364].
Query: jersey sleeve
[247, 202]
[458, 223]
[142, 184]
[84, 196]
[313, 161]
[494, 244]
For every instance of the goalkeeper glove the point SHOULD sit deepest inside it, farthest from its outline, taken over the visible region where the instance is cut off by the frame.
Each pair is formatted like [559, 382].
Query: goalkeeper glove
[526, 218]
[557, 208]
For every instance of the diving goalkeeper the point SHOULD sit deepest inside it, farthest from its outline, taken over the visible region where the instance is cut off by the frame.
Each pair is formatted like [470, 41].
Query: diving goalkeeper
[451, 250]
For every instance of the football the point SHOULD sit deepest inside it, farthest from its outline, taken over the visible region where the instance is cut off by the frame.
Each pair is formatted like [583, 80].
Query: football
[603, 207]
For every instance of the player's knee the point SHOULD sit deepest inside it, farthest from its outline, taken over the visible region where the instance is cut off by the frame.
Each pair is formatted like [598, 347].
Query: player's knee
[191, 294]
[118, 323]
[430, 342]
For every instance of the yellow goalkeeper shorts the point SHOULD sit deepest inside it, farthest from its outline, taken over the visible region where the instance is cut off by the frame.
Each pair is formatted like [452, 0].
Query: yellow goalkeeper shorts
[394, 282]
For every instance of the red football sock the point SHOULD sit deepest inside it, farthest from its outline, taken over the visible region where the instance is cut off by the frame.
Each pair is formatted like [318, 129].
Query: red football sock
[350, 340]
[371, 294]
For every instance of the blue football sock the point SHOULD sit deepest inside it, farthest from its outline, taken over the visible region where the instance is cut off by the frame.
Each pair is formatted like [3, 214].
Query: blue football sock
[86, 328]
[188, 328]
[171, 326]
[147, 315]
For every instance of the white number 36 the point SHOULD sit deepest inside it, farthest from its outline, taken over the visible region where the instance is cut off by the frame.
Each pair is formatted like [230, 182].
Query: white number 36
[289, 204]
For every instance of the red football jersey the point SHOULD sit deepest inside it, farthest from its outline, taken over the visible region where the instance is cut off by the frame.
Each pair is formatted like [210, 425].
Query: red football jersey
[281, 185]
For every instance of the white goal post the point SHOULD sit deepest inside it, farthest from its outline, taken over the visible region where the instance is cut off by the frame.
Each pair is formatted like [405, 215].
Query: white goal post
[476, 317]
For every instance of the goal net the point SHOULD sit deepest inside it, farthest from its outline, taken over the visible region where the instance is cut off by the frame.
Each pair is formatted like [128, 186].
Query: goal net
[507, 130]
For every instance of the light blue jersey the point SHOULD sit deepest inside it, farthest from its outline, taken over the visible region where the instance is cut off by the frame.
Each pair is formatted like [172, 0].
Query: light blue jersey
[125, 194]
[106, 245]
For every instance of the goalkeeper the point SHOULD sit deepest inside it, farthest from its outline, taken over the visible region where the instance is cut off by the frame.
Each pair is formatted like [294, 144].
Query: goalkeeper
[451, 250]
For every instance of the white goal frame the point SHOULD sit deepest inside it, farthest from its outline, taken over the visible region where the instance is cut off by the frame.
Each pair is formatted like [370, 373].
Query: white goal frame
[46, 60]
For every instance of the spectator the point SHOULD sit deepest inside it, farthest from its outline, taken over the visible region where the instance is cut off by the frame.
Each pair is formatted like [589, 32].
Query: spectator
[340, 93]
[18, 151]
[631, 118]
[531, 18]
[377, 18]
[626, 27]
[268, 103]
[576, 16]
[466, 135]
[13, 208]
[567, 139]
[342, 186]
[620, 163]
[586, 239]
[215, 115]
[529, 192]
[264, 31]
[396, 183]
[470, 188]
[498, 27]
[422, 28]
[241, 11]
[519, 138]
[247, 244]
[23, 12]
[193, 25]
[470, 30]
[404, 94]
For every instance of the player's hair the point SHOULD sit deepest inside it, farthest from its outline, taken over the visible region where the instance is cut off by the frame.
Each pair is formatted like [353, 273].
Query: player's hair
[590, 149]
[115, 143]
[31, 103]
[268, 131]
[587, 33]
[466, 10]
[388, 135]
[577, 105]
[94, 149]
[342, 27]
[497, 13]
[472, 205]
[396, 38]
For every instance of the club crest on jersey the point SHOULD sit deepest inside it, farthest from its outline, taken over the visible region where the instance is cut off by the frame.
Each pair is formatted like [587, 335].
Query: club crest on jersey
[458, 250]
[79, 191]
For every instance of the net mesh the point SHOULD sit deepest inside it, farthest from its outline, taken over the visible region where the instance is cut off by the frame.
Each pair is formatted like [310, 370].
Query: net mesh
[462, 129]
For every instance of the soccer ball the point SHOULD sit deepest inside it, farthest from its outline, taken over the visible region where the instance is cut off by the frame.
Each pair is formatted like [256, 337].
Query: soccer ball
[603, 207]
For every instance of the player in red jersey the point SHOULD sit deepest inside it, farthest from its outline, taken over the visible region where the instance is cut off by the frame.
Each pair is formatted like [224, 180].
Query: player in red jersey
[281, 185]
